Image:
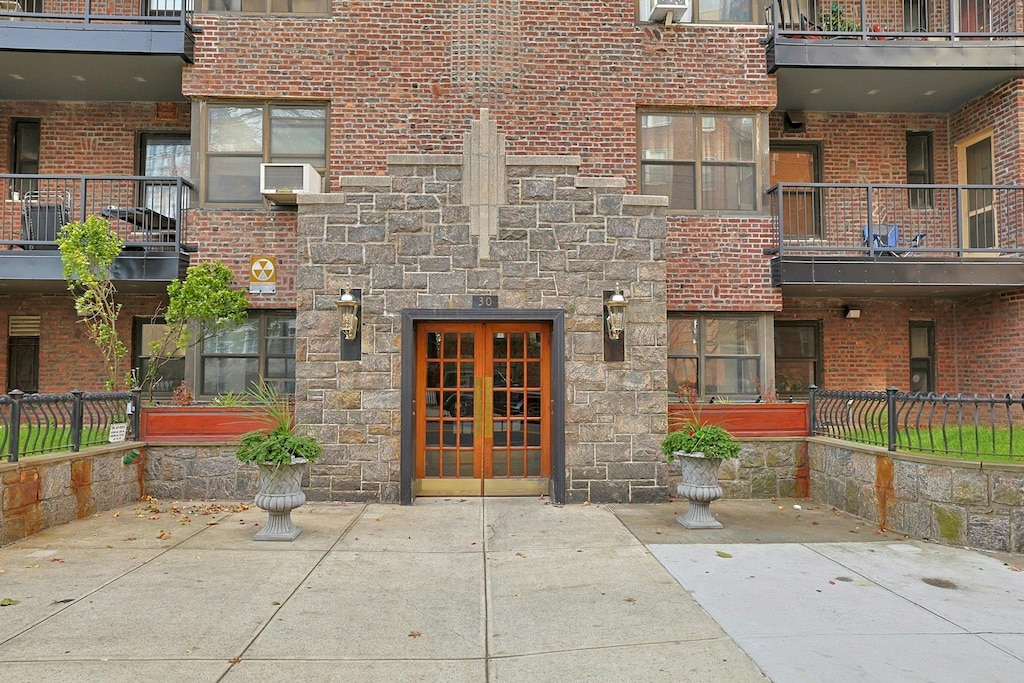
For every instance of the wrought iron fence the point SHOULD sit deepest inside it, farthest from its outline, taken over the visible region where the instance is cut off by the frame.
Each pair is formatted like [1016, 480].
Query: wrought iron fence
[944, 424]
[121, 12]
[146, 212]
[870, 220]
[944, 20]
[32, 424]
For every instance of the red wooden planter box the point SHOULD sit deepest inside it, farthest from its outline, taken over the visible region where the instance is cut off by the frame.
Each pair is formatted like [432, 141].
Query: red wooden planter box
[746, 419]
[198, 423]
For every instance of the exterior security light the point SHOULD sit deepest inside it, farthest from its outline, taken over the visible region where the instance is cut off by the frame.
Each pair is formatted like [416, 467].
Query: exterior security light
[348, 314]
[615, 317]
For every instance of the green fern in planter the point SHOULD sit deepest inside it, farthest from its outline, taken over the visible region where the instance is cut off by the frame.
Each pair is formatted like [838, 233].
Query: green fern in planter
[281, 442]
[711, 440]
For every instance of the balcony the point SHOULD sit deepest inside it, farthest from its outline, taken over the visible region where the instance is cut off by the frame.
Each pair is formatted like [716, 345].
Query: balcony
[150, 214]
[911, 56]
[71, 50]
[870, 240]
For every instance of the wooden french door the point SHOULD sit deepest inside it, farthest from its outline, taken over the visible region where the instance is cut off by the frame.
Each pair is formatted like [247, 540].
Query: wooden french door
[800, 215]
[485, 429]
[977, 167]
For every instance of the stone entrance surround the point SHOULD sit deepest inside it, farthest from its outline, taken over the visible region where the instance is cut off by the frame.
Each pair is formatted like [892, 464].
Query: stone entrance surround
[439, 229]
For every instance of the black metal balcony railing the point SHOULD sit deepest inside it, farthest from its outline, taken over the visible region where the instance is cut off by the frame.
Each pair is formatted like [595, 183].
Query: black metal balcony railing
[962, 425]
[149, 213]
[946, 222]
[151, 13]
[909, 20]
[31, 424]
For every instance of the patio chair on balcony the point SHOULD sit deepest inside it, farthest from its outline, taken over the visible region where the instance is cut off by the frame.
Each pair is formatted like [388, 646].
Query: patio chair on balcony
[889, 242]
[43, 213]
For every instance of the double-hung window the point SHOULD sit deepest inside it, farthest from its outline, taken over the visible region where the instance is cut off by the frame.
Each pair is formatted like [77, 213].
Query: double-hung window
[728, 11]
[153, 352]
[700, 161]
[262, 348]
[920, 170]
[798, 362]
[239, 137]
[716, 355]
[165, 155]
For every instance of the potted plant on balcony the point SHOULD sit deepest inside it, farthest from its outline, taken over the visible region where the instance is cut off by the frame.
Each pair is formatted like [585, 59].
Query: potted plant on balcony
[700, 449]
[281, 452]
[834, 20]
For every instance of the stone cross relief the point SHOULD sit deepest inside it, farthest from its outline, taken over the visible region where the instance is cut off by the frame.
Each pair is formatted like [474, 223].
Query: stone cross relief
[483, 174]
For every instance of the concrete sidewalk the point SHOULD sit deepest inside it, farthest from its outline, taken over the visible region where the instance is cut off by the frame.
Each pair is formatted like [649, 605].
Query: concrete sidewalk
[815, 595]
[446, 590]
[502, 590]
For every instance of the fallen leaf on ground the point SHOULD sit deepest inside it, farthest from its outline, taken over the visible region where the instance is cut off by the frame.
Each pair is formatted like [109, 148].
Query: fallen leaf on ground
[117, 514]
[236, 660]
[630, 599]
[520, 555]
[814, 523]
[722, 553]
[163, 535]
[415, 634]
[1009, 566]
[275, 602]
[56, 559]
[61, 602]
[212, 522]
[8, 602]
[185, 519]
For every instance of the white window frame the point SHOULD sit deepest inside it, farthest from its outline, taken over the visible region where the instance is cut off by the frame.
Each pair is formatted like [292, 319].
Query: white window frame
[653, 129]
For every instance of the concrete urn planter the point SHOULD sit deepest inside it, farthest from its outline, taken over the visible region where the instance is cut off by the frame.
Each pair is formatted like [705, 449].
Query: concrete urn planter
[699, 486]
[280, 493]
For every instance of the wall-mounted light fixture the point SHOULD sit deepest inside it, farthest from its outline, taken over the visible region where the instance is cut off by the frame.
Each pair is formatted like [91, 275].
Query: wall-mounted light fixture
[348, 314]
[851, 312]
[615, 315]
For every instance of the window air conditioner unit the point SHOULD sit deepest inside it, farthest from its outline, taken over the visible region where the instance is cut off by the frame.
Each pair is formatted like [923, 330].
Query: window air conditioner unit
[678, 11]
[281, 182]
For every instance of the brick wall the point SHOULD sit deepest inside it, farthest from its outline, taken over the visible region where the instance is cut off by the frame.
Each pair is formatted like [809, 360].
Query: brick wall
[91, 137]
[568, 80]
[68, 359]
[872, 352]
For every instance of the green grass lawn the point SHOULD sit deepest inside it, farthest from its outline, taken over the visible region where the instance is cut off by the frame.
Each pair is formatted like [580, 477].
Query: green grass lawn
[963, 443]
[34, 440]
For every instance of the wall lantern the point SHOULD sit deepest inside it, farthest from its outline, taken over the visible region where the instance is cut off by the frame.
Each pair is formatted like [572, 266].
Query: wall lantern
[348, 314]
[615, 318]
[851, 312]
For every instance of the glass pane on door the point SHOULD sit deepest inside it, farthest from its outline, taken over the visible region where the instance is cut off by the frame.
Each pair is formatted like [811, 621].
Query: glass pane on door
[518, 400]
[981, 214]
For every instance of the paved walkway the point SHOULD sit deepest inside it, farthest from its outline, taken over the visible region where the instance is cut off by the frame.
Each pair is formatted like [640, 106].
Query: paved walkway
[501, 590]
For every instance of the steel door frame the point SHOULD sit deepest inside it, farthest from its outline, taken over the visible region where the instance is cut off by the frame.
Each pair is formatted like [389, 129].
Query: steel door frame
[410, 319]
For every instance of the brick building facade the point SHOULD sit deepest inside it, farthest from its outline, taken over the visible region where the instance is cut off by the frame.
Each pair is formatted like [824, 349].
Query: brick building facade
[733, 290]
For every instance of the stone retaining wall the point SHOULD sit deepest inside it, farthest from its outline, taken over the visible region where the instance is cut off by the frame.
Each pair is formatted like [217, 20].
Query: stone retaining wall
[952, 501]
[198, 471]
[47, 490]
[766, 468]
